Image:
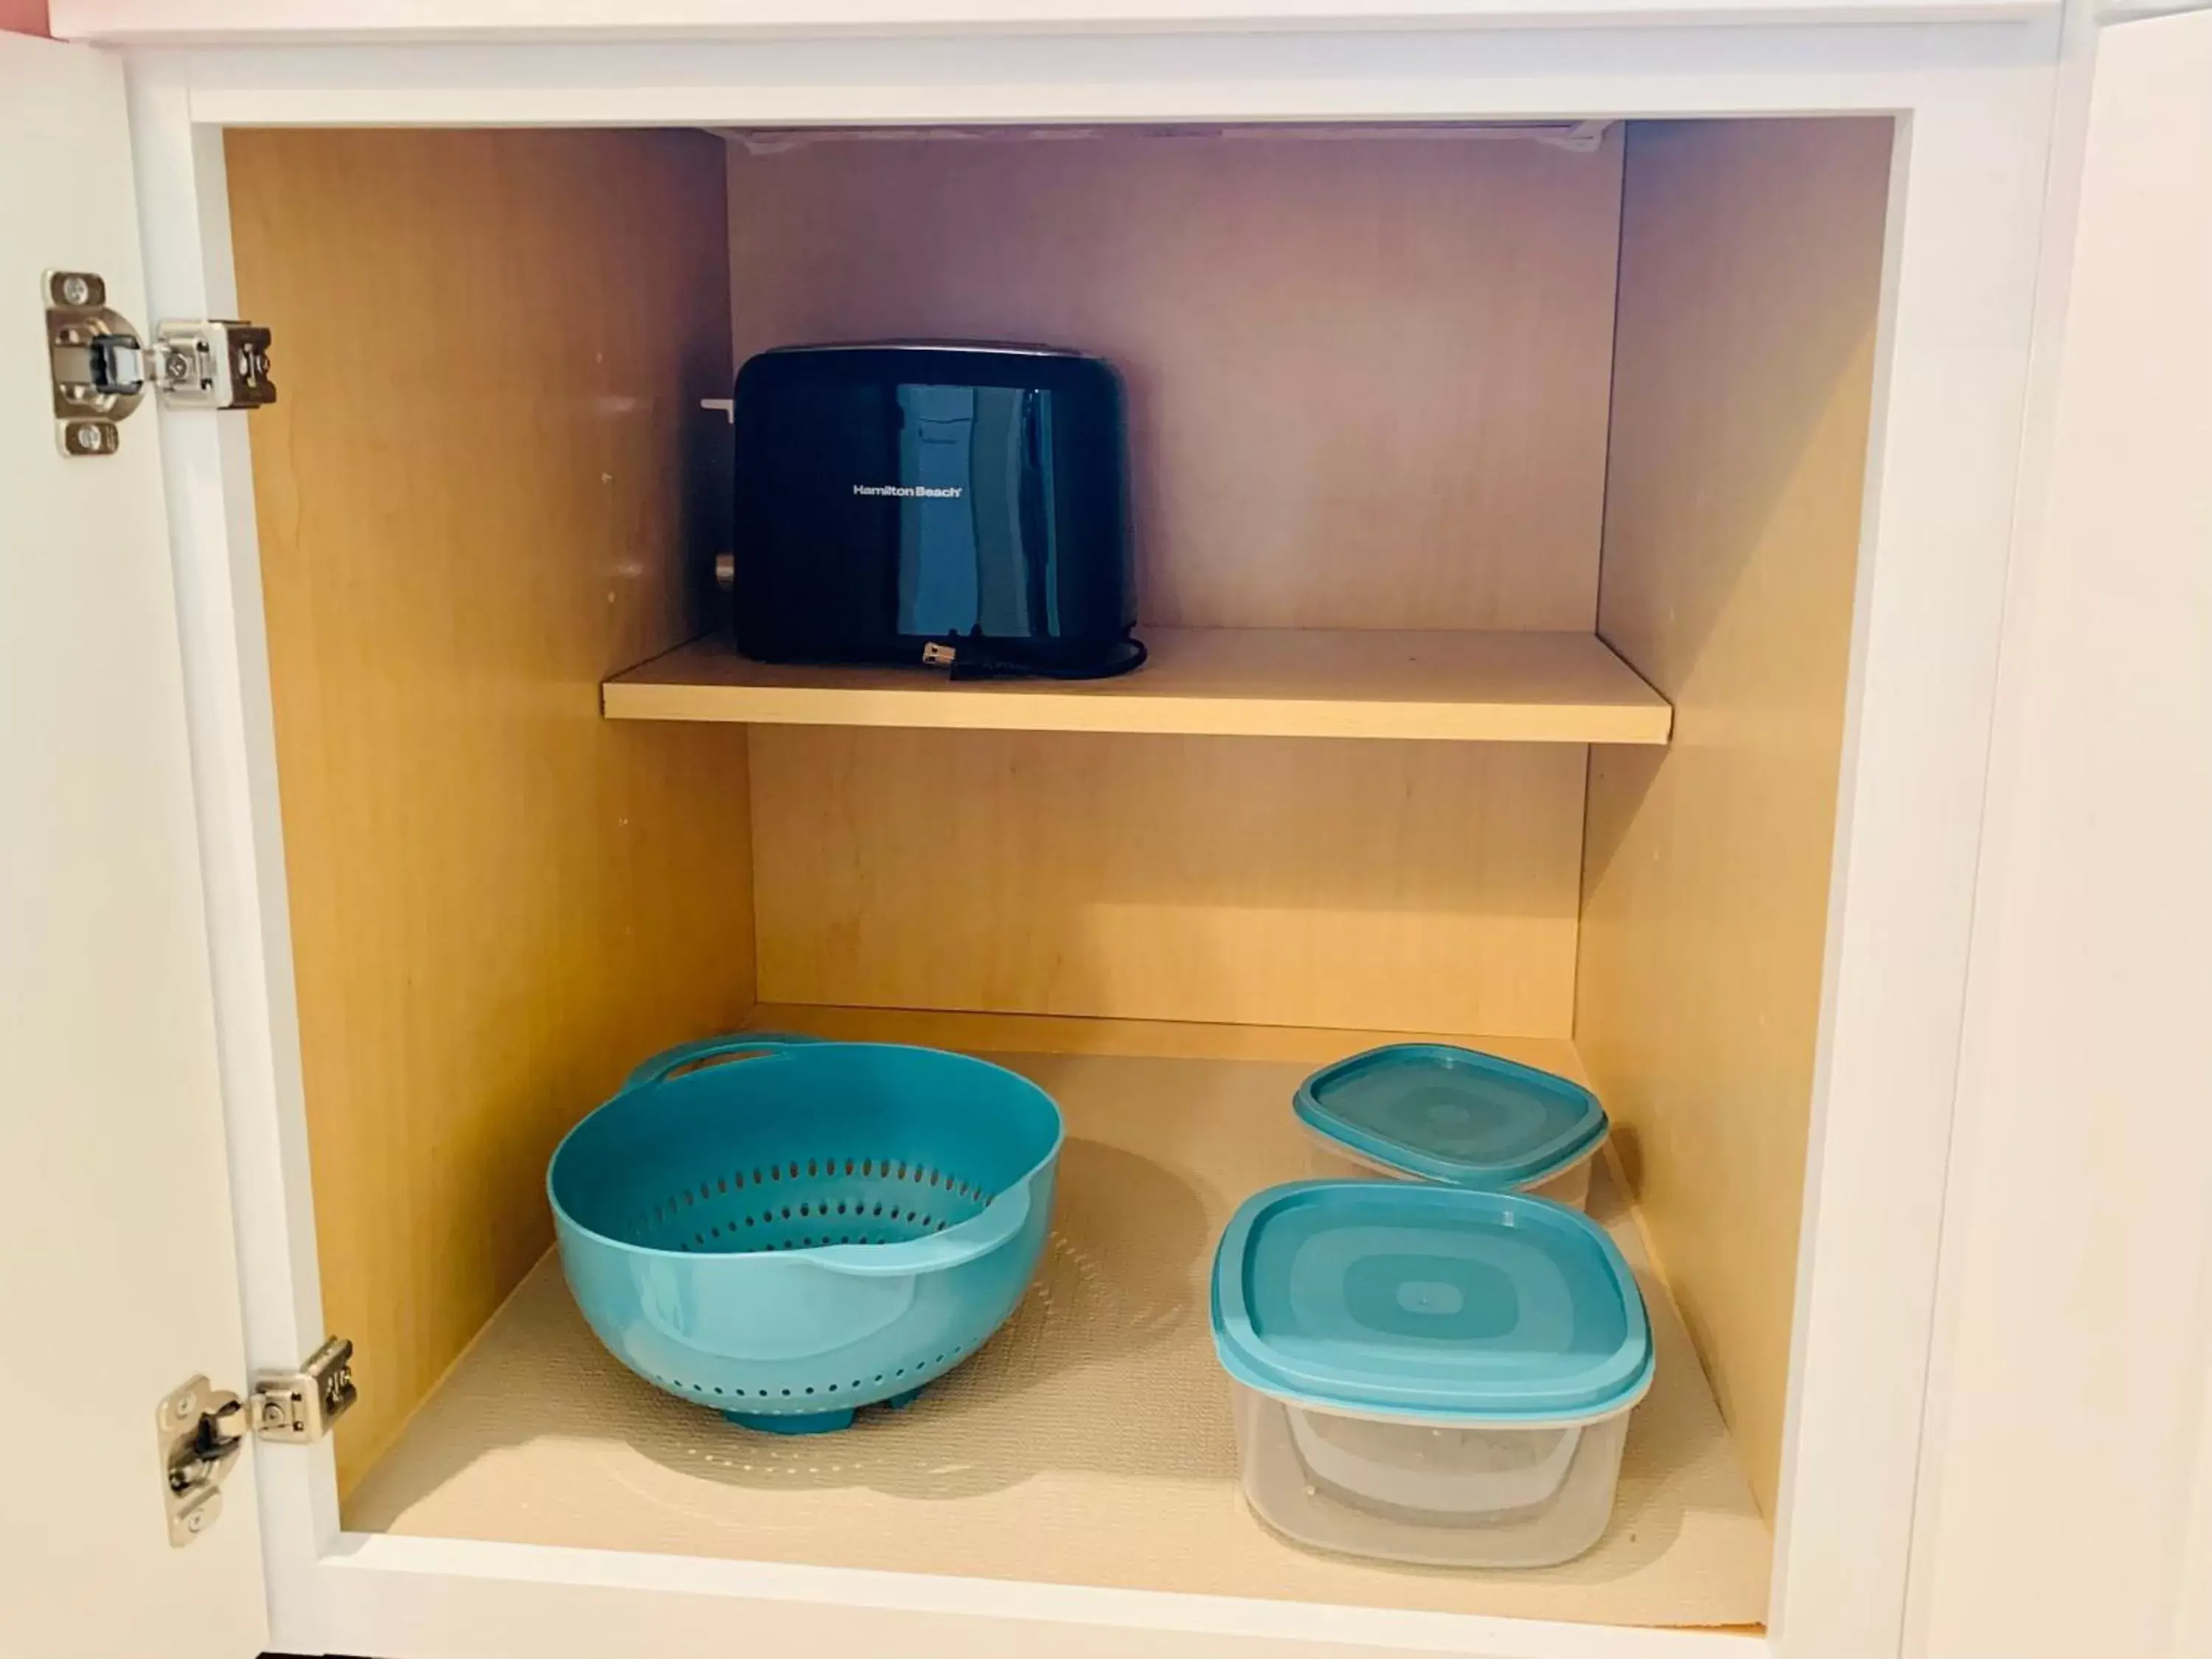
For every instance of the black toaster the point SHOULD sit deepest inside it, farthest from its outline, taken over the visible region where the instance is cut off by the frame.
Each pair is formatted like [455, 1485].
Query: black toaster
[962, 505]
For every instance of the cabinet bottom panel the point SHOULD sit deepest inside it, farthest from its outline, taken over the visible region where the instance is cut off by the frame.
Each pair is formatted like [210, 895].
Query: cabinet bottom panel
[1090, 1443]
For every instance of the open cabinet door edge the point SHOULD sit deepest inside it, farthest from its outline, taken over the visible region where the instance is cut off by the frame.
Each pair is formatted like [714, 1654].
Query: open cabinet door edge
[2067, 1492]
[122, 1277]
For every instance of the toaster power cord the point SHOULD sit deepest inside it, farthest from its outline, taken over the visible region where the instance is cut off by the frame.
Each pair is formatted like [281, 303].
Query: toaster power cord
[971, 662]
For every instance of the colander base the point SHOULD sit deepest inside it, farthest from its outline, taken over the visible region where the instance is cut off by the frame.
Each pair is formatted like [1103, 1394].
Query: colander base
[811, 1422]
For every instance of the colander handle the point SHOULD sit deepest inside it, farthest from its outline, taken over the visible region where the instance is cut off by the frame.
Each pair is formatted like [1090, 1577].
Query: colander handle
[687, 1054]
[1000, 1222]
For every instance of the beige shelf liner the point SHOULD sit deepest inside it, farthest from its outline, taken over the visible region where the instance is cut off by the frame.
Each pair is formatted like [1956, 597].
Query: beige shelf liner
[1088, 1443]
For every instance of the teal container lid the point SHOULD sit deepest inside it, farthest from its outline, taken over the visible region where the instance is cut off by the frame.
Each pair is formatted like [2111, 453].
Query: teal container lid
[1452, 1114]
[1434, 1303]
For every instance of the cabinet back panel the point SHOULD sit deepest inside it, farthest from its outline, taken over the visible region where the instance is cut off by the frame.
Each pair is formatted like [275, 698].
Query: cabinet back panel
[1367, 376]
[499, 901]
[1750, 288]
[1421, 886]
[1368, 388]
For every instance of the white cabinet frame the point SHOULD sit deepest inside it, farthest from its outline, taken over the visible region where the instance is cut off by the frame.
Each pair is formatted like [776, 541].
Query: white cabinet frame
[214, 22]
[1975, 106]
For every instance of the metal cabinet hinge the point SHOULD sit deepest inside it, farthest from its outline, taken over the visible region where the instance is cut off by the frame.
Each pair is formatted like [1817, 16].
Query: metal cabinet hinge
[201, 1428]
[102, 368]
[300, 1407]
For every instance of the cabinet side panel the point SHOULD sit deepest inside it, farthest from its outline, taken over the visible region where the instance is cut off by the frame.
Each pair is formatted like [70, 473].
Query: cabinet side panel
[1750, 284]
[477, 496]
[1423, 886]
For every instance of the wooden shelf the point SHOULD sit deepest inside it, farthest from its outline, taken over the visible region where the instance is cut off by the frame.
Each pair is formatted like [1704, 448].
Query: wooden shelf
[1225, 682]
[1090, 1442]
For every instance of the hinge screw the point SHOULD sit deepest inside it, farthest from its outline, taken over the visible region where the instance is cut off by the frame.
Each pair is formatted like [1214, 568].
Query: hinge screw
[77, 291]
[88, 438]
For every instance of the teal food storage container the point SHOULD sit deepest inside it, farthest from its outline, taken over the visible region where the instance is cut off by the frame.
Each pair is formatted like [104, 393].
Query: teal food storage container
[1431, 1111]
[1429, 1374]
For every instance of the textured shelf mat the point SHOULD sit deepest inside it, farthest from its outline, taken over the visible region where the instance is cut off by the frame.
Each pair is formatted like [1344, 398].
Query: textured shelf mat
[1088, 1443]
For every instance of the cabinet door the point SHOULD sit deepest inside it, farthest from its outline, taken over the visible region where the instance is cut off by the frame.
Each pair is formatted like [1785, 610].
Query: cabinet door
[2071, 1468]
[118, 1272]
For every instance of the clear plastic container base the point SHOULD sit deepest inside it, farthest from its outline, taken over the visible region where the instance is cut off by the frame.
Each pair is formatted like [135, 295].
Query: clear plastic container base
[1328, 1160]
[1431, 1494]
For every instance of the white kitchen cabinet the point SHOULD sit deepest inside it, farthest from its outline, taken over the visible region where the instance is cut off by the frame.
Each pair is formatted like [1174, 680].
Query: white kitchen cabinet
[1690, 798]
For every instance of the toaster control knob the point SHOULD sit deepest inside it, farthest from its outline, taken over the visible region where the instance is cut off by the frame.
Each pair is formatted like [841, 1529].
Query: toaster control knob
[725, 571]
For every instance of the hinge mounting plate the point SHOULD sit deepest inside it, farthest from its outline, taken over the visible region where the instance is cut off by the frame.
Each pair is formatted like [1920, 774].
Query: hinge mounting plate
[300, 1407]
[200, 1428]
[213, 365]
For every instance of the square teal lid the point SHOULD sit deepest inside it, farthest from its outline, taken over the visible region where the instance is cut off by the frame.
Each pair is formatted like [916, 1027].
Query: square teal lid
[1390, 1298]
[1452, 1114]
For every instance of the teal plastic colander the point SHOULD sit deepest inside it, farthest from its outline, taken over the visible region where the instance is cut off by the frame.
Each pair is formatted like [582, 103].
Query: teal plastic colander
[786, 1229]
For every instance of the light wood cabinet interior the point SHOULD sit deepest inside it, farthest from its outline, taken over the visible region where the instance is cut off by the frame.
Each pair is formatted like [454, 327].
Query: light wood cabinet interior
[1375, 385]
[1367, 383]
[1743, 388]
[1366, 377]
[467, 514]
